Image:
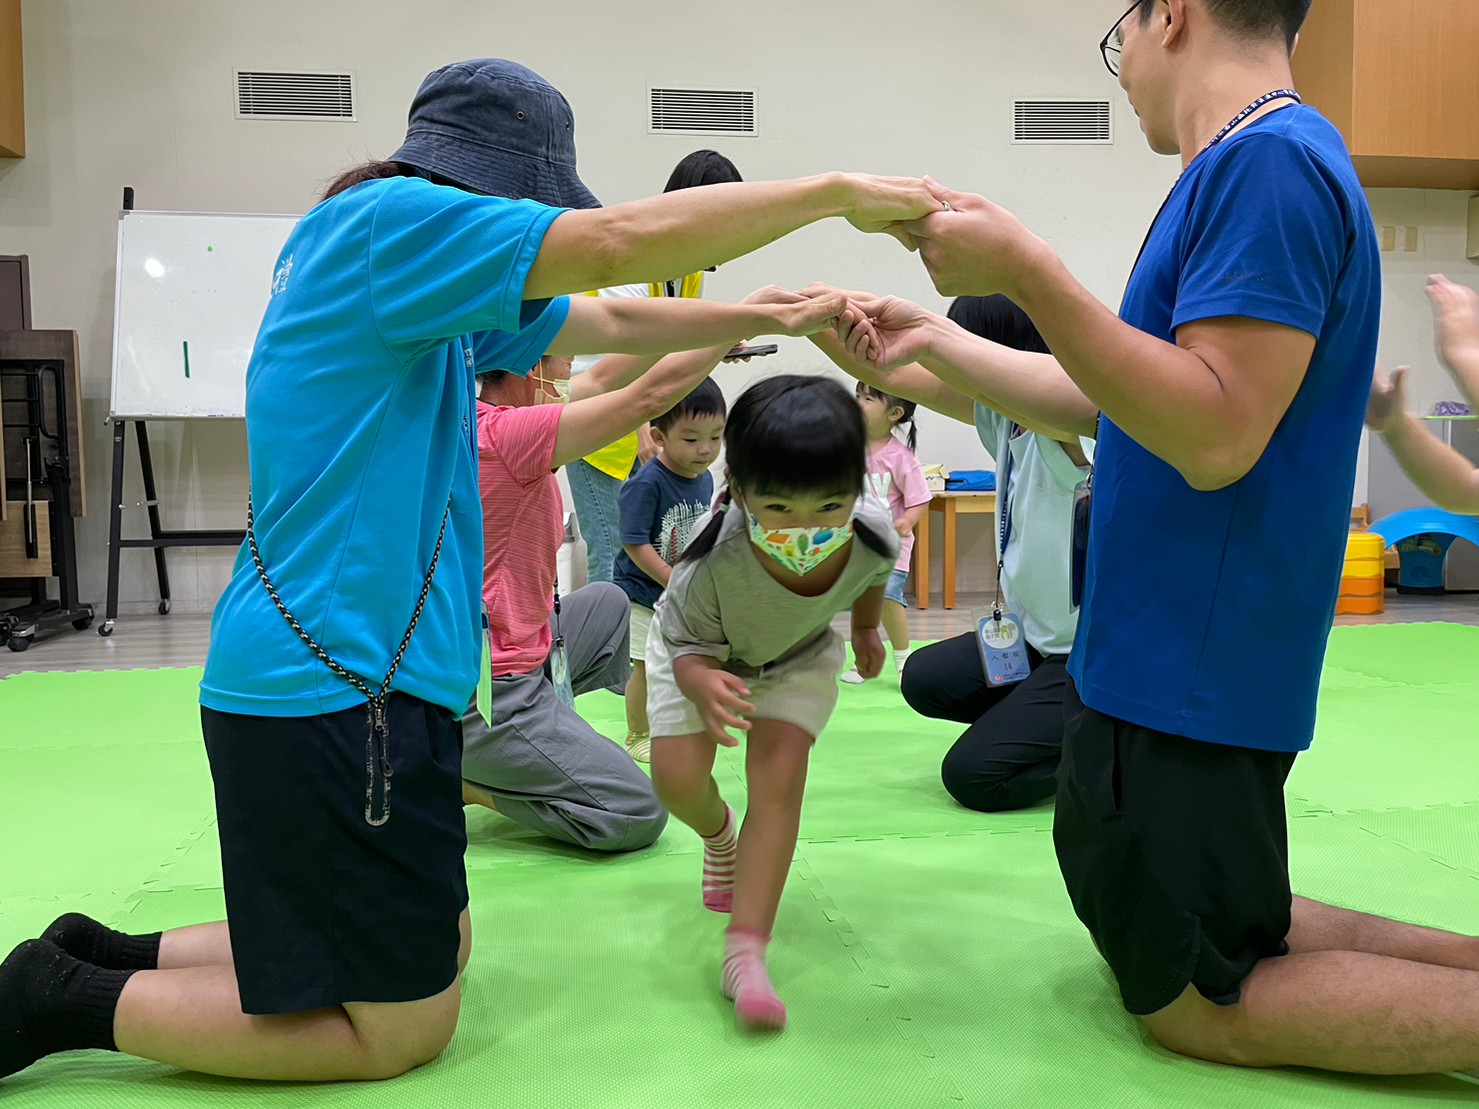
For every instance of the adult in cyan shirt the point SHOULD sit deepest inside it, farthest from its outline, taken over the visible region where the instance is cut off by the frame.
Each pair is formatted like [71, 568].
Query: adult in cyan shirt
[1232, 388]
[337, 765]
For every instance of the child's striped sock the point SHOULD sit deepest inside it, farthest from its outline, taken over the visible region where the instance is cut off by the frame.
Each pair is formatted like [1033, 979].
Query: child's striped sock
[719, 854]
[747, 983]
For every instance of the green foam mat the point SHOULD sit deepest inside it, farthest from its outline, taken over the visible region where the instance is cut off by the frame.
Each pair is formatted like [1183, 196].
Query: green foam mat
[929, 955]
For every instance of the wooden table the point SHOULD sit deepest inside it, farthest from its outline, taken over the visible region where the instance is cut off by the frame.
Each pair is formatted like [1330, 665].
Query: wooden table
[950, 505]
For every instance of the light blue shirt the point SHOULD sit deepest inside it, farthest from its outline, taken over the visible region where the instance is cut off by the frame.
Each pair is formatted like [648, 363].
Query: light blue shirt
[359, 397]
[1039, 495]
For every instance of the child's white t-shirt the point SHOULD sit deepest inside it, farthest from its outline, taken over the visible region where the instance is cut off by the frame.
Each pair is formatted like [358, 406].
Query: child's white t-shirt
[726, 606]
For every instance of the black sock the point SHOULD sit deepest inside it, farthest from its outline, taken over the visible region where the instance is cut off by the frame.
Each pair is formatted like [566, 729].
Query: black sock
[84, 938]
[51, 1002]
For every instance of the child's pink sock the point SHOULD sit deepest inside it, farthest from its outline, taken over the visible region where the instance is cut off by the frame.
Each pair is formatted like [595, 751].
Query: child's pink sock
[719, 853]
[747, 983]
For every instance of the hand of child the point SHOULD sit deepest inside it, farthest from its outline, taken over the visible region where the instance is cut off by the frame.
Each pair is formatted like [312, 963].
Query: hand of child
[1456, 320]
[904, 529]
[867, 649]
[719, 697]
[1388, 402]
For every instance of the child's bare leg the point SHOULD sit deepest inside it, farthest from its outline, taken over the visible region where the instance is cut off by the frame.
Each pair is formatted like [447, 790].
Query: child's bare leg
[896, 623]
[776, 759]
[683, 774]
[639, 729]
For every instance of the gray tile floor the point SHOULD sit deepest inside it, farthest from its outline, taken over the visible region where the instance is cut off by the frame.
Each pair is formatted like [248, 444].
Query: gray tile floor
[180, 639]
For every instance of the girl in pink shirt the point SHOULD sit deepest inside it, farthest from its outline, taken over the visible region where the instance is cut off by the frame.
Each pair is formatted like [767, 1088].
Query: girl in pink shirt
[895, 478]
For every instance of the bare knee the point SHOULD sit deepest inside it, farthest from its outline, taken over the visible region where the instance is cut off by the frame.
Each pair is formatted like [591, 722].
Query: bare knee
[399, 1038]
[677, 779]
[1195, 1027]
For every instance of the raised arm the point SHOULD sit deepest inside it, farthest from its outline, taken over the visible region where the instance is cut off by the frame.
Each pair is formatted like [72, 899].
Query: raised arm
[692, 229]
[1456, 316]
[1027, 388]
[910, 381]
[589, 424]
[1443, 474]
[656, 327]
[1207, 404]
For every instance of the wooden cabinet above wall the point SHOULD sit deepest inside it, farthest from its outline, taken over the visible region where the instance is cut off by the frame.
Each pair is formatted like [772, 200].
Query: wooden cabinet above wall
[1400, 78]
[12, 83]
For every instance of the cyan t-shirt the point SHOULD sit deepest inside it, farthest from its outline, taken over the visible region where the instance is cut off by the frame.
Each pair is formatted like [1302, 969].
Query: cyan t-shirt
[660, 508]
[1206, 614]
[359, 399]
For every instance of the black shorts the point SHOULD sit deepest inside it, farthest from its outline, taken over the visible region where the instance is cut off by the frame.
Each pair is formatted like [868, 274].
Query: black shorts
[323, 908]
[1175, 854]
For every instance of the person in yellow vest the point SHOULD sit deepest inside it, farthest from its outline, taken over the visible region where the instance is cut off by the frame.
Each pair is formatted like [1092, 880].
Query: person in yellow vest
[595, 481]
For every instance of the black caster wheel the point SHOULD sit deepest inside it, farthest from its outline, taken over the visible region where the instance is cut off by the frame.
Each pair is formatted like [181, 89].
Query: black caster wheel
[164, 608]
[19, 643]
[82, 623]
[105, 629]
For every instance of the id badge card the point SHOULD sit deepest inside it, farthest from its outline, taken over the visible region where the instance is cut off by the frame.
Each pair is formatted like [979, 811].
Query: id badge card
[1003, 648]
[1083, 499]
[559, 673]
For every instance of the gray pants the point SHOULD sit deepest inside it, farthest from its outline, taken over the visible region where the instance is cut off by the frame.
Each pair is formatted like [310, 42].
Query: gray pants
[545, 766]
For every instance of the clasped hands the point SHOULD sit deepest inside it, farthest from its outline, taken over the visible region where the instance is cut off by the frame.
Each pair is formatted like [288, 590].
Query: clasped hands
[970, 247]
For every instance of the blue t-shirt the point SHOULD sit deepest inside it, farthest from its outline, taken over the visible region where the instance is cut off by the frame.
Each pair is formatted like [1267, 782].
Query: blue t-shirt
[359, 398]
[660, 508]
[1206, 614]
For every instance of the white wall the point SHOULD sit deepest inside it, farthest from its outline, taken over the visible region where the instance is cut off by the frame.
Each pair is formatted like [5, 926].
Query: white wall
[138, 92]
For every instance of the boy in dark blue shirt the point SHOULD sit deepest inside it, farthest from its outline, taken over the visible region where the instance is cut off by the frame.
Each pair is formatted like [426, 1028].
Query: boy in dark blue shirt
[660, 506]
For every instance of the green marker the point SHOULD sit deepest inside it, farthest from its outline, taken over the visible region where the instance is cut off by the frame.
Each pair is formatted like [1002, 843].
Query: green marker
[186, 345]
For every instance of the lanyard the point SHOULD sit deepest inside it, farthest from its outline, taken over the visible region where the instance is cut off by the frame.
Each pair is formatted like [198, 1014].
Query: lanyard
[1232, 125]
[1004, 514]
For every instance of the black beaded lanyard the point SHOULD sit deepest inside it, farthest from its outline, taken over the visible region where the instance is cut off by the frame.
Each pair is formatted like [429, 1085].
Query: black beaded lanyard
[378, 720]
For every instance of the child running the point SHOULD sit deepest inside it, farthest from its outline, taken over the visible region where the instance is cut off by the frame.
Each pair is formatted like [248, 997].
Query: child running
[743, 640]
[896, 479]
[660, 506]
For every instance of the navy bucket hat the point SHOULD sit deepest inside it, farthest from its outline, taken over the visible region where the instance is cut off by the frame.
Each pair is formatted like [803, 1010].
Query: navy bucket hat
[496, 128]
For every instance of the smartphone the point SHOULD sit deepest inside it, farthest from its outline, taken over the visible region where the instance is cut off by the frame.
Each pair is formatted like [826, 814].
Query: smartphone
[743, 351]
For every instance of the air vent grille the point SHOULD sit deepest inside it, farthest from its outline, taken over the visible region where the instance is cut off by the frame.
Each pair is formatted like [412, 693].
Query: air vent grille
[1062, 122]
[262, 94]
[703, 111]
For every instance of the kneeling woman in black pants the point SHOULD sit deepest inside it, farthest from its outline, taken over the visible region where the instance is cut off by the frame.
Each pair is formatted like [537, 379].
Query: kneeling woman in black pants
[1008, 756]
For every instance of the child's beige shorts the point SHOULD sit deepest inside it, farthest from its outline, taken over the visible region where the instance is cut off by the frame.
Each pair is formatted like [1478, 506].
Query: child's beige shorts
[801, 691]
[641, 622]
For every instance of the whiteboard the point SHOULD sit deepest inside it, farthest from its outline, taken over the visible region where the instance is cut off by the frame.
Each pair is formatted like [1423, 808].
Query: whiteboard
[191, 290]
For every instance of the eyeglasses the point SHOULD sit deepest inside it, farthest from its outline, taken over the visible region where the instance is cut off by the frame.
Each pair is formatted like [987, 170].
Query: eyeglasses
[1112, 43]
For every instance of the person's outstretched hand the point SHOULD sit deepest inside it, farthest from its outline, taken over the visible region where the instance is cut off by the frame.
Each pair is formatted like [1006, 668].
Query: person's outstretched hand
[806, 315]
[1388, 402]
[973, 247]
[882, 204]
[884, 333]
[1456, 320]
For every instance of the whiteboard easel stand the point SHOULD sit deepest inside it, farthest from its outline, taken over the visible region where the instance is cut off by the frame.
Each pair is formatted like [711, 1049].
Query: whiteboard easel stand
[159, 540]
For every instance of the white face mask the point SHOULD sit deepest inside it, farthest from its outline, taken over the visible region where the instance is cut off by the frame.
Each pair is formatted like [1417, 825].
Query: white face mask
[800, 550]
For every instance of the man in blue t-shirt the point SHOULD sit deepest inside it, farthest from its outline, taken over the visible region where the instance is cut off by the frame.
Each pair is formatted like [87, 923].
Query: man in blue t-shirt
[1232, 390]
[660, 507]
